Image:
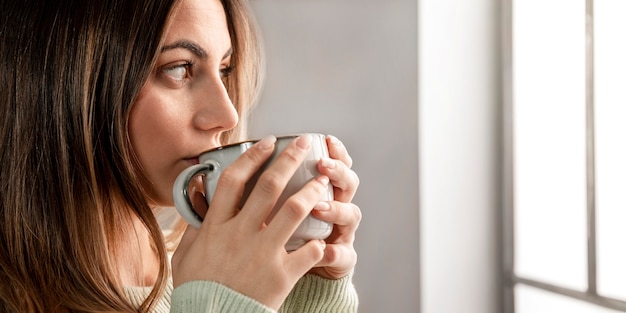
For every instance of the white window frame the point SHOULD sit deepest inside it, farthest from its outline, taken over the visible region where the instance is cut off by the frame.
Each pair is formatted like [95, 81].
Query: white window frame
[508, 248]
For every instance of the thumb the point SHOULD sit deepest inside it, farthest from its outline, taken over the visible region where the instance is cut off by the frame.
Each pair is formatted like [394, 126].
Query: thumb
[181, 251]
[306, 257]
[190, 233]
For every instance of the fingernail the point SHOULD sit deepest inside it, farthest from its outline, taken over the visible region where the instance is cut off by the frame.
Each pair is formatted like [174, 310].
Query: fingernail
[266, 143]
[329, 163]
[303, 141]
[323, 243]
[322, 206]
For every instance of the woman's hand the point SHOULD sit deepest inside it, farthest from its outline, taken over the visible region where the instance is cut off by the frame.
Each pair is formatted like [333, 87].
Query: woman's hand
[339, 255]
[239, 250]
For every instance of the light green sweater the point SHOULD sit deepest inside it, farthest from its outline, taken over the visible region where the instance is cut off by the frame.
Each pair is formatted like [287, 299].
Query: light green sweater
[311, 294]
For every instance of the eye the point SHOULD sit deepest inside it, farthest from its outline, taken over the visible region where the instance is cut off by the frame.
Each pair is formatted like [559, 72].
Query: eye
[226, 71]
[178, 73]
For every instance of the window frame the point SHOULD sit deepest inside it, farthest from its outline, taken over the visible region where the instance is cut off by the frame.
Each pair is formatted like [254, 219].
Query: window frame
[510, 278]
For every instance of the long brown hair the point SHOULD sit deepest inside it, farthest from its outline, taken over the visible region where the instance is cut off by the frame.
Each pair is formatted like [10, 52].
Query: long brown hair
[70, 71]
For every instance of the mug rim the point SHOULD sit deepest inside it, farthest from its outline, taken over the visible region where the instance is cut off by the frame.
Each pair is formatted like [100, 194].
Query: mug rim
[230, 145]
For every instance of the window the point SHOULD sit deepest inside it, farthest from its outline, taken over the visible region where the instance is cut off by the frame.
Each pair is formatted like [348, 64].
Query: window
[565, 155]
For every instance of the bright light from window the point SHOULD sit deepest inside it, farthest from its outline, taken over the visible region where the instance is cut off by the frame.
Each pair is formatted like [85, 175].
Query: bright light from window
[549, 141]
[531, 300]
[610, 111]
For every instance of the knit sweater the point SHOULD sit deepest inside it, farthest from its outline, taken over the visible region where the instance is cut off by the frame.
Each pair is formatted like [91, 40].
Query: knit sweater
[311, 294]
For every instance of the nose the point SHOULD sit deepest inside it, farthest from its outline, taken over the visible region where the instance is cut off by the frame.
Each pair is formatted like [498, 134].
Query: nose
[215, 111]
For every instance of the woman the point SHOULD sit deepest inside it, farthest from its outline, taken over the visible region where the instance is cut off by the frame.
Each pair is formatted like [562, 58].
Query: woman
[103, 103]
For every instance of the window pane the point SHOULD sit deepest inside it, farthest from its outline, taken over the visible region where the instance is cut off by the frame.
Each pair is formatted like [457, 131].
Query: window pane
[549, 139]
[610, 109]
[532, 300]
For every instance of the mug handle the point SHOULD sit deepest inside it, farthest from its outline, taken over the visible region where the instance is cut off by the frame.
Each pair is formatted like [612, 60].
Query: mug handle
[181, 194]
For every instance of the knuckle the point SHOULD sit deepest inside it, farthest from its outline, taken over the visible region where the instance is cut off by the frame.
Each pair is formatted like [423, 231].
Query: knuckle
[229, 178]
[291, 155]
[355, 257]
[351, 185]
[317, 254]
[331, 255]
[348, 161]
[256, 155]
[296, 207]
[358, 215]
[357, 180]
[269, 183]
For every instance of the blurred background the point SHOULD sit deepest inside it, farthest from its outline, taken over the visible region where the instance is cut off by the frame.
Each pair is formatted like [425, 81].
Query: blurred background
[488, 137]
[349, 68]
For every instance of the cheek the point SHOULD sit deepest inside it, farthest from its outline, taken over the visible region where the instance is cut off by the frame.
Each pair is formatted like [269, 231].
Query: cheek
[142, 123]
[154, 120]
[154, 131]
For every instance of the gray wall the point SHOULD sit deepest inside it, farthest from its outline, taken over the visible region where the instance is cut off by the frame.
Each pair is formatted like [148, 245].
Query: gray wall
[349, 68]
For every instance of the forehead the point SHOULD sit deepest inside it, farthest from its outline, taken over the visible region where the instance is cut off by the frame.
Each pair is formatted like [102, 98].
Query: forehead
[201, 21]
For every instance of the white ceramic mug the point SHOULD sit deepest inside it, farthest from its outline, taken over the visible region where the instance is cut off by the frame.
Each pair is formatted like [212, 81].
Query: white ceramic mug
[214, 161]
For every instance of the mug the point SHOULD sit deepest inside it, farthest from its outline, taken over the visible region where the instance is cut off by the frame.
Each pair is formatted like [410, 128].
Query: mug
[214, 161]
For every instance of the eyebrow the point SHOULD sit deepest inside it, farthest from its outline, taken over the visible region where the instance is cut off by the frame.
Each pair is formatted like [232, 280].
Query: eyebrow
[193, 48]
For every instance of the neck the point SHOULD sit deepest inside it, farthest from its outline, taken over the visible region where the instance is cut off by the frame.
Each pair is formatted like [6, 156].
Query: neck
[137, 261]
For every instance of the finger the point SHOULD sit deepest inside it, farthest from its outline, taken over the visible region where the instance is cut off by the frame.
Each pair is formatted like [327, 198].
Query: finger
[338, 259]
[302, 260]
[232, 181]
[295, 209]
[272, 182]
[341, 176]
[338, 151]
[345, 216]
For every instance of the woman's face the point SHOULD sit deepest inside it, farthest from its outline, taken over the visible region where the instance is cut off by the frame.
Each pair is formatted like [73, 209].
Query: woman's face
[183, 107]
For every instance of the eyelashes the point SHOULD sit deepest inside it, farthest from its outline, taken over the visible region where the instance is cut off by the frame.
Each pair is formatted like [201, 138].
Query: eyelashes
[180, 73]
[225, 72]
